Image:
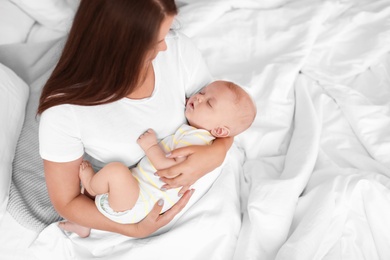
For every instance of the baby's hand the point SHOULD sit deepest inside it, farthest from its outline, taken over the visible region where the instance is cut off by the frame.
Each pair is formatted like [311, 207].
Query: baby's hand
[147, 139]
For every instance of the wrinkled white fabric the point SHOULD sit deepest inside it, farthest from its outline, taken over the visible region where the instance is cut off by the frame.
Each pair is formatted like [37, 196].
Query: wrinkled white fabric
[315, 180]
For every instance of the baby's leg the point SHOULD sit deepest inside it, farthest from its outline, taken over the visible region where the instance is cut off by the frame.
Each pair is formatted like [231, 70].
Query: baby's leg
[75, 228]
[116, 180]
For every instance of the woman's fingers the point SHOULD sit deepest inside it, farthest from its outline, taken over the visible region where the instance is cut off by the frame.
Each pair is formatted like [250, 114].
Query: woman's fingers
[156, 210]
[170, 183]
[183, 190]
[155, 220]
[176, 170]
[150, 223]
[172, 212]
[177, 182]
[170, 172]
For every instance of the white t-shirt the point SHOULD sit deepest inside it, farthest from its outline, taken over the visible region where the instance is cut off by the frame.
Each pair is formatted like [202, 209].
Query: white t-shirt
[109, 132]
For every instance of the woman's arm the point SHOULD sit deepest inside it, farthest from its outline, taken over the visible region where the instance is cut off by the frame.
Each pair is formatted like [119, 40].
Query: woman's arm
[63, 184]
[201, 159]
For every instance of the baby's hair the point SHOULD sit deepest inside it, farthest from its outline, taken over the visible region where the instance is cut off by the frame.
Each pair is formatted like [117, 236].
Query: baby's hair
[246, 107]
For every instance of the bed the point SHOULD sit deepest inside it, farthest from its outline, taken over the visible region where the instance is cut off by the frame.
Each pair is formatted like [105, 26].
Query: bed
[309, 180]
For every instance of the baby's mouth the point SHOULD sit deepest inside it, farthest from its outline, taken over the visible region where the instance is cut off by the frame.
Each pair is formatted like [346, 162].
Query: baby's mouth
[190, 104]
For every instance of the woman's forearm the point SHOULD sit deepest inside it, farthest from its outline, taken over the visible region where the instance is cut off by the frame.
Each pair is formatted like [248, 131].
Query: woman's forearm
[222, 146]
[82, 210]
[226, 142]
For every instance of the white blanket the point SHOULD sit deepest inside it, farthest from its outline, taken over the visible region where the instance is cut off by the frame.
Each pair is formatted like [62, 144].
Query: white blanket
[315, 179]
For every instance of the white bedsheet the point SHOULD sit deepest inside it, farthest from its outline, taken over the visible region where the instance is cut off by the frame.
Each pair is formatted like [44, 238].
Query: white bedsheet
[315, 183]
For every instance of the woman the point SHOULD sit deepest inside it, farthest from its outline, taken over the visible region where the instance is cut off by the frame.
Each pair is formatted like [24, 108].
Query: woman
[112, 83]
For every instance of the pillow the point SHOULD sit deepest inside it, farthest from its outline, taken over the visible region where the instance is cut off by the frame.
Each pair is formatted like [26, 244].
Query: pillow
[28, 202]
[54, 14]
[14, 93]
[74, 4]
[40, 33]
[14, 23]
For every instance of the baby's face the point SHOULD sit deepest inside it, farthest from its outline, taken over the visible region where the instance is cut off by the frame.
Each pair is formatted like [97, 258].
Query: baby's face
[212, 107]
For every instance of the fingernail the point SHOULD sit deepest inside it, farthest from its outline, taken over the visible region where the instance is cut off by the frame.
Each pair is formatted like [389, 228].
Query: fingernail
[168, 154]
[155, 174]
[160, 202]
[192, 191]
[180, 194]
[163, 189]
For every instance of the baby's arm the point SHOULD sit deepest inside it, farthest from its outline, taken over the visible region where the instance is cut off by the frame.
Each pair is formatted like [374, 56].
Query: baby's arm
[148, 142]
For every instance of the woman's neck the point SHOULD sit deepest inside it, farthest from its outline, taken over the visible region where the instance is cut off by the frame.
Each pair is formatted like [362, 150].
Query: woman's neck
[146, 86]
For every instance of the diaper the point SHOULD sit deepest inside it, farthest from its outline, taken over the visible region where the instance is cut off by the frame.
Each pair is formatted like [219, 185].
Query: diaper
[141, 208]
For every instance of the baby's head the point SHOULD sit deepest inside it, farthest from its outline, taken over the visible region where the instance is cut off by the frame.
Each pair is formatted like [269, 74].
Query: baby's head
[222, 107]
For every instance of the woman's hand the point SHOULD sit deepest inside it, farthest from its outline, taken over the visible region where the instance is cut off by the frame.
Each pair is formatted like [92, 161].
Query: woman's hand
[201, 159]
[154, 220]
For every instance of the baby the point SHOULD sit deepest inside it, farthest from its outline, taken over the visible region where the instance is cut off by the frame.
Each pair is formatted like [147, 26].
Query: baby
[221, 109]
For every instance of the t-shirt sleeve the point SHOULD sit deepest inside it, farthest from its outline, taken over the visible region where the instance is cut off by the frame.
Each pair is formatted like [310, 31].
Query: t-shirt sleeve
[59, 135]
[195, 66]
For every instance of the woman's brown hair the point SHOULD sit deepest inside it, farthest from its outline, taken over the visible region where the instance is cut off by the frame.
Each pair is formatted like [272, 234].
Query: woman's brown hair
[104, 56]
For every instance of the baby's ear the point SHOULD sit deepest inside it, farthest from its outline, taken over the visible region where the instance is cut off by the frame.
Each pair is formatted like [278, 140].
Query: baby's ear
[220, 131]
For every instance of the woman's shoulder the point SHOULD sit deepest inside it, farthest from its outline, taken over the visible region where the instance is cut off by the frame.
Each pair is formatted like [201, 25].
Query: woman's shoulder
[58, 113]
[182, 47]
[177, 35]
[57, 110]
[182, 41]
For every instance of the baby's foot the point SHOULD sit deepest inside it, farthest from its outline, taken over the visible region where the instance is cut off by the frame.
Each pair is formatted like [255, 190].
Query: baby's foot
[147, 139]
[86, 173]
[75, 228]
